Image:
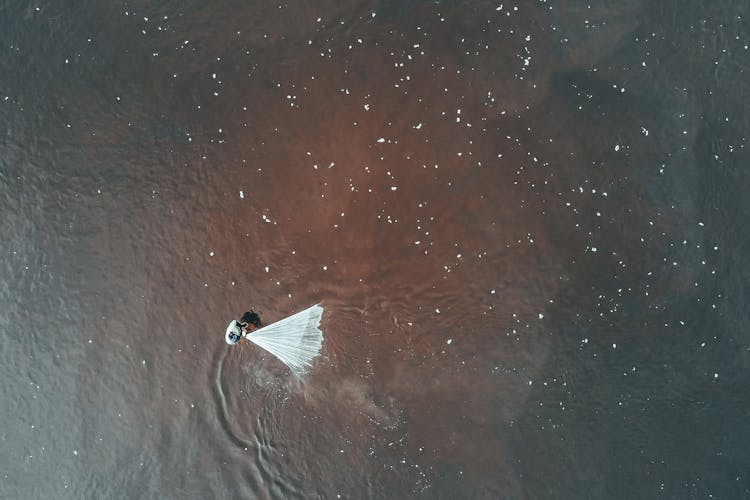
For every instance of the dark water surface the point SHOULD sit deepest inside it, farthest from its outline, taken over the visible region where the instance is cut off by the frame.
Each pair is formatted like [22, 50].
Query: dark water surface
[526, 222]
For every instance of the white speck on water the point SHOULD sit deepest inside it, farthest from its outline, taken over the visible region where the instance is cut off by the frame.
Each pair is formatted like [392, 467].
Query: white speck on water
[437, 311]
[449, 341]
[382, 139]
[716, 375]
[325, 268]
[593, 249]
[492, 292]
[211, 253]
[242, 195]
[75, 452]
[617, 147]
[393, 188]
[267, 269]
[614, 346]
[367, 107]
[541, 316]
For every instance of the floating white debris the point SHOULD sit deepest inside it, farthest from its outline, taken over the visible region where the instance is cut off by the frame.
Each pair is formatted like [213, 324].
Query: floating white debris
[242, 195]
[382, 139]
[617, 147]
[449, 341]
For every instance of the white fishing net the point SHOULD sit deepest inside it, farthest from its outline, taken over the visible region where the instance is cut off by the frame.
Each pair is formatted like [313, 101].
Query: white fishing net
[295, 340]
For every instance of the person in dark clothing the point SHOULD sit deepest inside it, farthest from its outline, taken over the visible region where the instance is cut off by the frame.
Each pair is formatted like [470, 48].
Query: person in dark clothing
[239, 329]
[250, 321]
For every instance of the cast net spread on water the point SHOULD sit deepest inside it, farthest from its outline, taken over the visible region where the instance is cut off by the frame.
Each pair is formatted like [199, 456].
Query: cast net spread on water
[295, 340]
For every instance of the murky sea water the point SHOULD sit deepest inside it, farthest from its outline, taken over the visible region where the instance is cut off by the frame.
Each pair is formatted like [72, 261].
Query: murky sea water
[525, 222]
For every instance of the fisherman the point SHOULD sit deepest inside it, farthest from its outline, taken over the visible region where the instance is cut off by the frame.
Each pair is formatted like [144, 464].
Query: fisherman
[237, 330]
